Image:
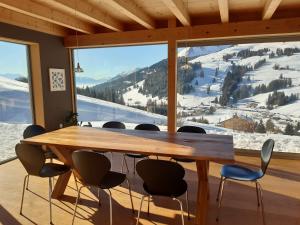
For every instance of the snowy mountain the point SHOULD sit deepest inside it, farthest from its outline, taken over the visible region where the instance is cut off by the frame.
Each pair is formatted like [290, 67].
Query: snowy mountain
[83, 81]
[191, 52]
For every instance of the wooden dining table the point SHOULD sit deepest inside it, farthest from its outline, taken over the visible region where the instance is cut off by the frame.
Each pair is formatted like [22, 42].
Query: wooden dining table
[201, 148]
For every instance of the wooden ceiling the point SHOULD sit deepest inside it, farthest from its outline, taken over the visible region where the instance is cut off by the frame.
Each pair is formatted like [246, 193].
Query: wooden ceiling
[89, 17]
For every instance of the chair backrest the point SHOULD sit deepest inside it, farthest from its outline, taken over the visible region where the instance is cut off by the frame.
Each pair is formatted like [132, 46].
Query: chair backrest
[147, 126]
[114, 124]
[266, 154]
[160, 175]
[191, 129]
[91, 166]
[32, 158]
[33, 130]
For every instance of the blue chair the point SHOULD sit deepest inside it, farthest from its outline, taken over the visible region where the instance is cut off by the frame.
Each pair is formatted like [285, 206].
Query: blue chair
[241, 173]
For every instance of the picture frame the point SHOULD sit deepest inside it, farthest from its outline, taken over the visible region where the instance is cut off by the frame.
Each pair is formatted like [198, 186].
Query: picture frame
[57, 79]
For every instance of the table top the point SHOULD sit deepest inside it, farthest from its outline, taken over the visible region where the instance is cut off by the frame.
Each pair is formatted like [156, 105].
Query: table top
[195, 146]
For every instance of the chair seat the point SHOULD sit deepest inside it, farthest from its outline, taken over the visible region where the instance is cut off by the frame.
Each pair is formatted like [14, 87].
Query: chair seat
[241, 173]
[175, 190]
[183, 160]
[112, 179]
[53, 169]
[139, 156]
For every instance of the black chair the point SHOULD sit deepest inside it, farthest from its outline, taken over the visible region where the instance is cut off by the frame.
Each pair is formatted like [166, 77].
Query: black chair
[241, 173]
[113, 125]
[162, 178]
[144, 126]
[33, 159]
[189, 129]
[34, 130]
[94, 171]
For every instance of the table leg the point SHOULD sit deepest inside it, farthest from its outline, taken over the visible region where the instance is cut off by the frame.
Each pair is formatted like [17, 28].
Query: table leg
[203, 192]
[65, 156]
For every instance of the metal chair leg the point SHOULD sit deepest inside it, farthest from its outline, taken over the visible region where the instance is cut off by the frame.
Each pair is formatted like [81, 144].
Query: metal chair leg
[218, 195]
[181, 208]
[75, 180]
[50, 203]
[149, 205]
[261, 202]
[110, 207]
[221, 197]
[137, 222]
[124, 162]
[187, 204]
[111, 159]
[27, 182]
[257, 194]
[77, 199]
[129, 189]
[134, 166]
[23, 192]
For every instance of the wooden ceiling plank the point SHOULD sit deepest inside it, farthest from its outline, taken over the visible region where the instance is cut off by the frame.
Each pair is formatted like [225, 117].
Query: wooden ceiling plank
[204, 33]
[42, 12]
[179, 10]
[224, 10]
[89, 12]
[21, 20]
[133, 11]
[270, 8]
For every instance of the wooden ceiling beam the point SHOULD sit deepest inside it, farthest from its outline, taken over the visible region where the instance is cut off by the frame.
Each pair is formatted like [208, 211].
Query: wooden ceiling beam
[88, 12]
[204, 33]
[21, 20]
[45, 13]
[224, 10]
[179, 10]
[133, 11]
[269, 8]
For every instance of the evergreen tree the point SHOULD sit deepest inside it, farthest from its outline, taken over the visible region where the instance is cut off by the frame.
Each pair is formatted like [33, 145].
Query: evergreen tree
[270, 125]
[196, 82]
[260, 128]
[208, 89]
[202, 74]
[289, 129]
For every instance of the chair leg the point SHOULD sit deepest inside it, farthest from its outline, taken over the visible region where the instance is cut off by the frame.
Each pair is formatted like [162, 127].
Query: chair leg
[261, 202]
[187, 203]
[137, 222]
[149, 205]
[27, 182]
[220, 199]
[110, 207]
[111, 158]
[23, 192]
[257, 194]
[50, 203]
[124, 162]
[75, 181]
[134, 166]
[99, 203]
[181, 208]
[129, 189]
[77, 199]
[218, 195]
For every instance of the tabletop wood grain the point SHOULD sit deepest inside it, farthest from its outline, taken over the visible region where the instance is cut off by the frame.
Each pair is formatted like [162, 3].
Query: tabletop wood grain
[186, 145]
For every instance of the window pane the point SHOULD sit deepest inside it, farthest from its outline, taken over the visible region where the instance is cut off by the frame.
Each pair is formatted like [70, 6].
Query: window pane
[248, 90]
[15, 101]
[126, 84]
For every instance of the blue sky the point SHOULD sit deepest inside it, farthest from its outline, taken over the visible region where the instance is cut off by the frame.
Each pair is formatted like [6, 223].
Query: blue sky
[108, 62]
[96, 62]
[13, 58]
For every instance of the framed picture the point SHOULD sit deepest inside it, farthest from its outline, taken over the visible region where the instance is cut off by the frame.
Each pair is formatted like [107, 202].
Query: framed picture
[57, 79]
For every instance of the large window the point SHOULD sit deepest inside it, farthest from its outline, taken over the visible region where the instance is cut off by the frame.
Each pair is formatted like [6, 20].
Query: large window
[15, 101]
[249, 90]
[126, 84]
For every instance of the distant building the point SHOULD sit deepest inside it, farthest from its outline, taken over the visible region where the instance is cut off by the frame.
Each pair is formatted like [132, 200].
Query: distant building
[239, 123]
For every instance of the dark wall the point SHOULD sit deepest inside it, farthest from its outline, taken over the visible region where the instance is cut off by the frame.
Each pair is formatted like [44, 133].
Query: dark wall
[53, 54]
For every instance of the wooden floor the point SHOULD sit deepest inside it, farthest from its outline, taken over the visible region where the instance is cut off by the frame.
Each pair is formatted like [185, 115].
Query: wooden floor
[281, 197]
